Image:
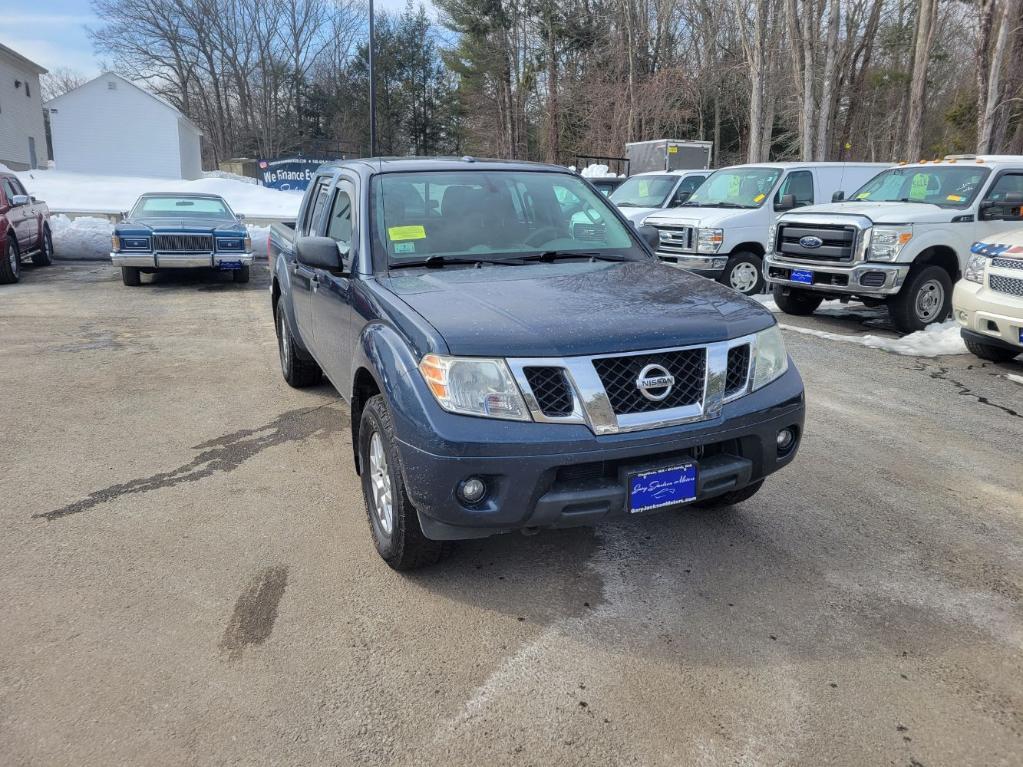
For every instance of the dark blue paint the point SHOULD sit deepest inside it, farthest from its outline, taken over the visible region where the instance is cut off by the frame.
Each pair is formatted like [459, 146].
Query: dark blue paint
[373, 321]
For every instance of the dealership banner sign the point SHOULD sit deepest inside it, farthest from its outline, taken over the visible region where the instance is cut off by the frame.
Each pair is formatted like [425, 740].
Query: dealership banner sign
[289, 172]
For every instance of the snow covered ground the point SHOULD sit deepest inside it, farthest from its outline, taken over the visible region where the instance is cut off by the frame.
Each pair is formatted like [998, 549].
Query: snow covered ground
[113, 194]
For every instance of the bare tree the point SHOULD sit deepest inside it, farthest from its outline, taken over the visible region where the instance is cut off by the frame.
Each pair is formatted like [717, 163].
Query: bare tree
[925, 26]
[59, 81]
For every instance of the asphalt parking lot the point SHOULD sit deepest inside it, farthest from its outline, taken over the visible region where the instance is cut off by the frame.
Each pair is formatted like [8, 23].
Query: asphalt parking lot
[187, 576]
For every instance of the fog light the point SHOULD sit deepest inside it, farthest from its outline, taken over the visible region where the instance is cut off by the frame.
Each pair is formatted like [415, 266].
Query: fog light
[472, 490]
[786, 439]
[963, 316]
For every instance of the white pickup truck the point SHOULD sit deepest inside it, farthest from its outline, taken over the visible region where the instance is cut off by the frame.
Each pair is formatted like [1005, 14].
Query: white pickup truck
[722, 230]
[902, 240]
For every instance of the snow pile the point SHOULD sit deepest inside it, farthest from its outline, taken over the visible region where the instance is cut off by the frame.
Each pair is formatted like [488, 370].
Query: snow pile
[112, 194]
[259, 235]
[597, 171]
[934, 341]
[231, 176]
[87, 237]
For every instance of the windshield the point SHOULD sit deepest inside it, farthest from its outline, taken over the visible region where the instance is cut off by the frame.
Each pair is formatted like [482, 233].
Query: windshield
[736, 188]
[644, 191]
[492, 216]
[176, 207]
[946, 186]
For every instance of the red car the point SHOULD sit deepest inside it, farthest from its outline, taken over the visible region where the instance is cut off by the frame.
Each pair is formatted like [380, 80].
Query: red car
[24, 229]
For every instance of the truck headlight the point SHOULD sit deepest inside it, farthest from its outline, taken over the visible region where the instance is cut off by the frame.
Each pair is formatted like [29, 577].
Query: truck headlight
[115, 243]
[974, 271]
[709, 240]
[771, 360]
[887, 242]
[772, 233]
[474, 386]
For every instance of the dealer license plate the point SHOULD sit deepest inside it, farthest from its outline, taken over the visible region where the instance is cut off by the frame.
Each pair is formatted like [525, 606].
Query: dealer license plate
[229, 265]
[802, 276]
[654, 489]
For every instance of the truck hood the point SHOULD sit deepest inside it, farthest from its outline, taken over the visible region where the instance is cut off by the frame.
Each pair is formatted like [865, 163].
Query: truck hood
[184, 224]
[572, 308]
[636, 215]
[885, 212]
[708, 217]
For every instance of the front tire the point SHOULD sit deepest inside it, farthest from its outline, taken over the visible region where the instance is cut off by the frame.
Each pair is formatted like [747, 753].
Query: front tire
[10, 264]
[296, 366]
[926, 298]
[131, 276]
[241, 275]
[744, 273]
[45, 255]
[989, 352]
[393, 520]
[797, 302]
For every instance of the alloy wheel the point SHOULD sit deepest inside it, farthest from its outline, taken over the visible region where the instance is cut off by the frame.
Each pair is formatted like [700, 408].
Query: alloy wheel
[743, 277]
[380, 481]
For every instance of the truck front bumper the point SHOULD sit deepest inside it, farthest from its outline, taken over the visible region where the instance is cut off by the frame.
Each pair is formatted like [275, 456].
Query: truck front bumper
[182, 261]
[705, 265]
[863, 279]
[583, 481]
[988, 316]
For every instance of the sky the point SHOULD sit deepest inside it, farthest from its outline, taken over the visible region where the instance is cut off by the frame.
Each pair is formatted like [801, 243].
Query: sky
[52, 33]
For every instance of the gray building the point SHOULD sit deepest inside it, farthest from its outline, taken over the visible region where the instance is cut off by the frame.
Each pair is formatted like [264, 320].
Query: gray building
[22, 131]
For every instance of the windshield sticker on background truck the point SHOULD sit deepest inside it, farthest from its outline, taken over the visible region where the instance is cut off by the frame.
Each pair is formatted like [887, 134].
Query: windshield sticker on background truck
[406, 233]
[404, 247]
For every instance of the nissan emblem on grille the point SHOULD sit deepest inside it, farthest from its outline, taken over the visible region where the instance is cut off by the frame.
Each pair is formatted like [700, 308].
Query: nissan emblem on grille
[811, 242]
[655, 382]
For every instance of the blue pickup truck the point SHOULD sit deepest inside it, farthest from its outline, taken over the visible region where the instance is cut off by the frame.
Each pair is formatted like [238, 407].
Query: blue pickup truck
[181, 231]
[515, 357]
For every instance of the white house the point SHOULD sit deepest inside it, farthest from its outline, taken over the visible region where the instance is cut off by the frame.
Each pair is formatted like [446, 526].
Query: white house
[110, 126]
[22, 130]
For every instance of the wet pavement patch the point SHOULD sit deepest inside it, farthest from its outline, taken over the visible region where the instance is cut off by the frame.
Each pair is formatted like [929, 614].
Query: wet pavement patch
[255, 611]
[223, 454]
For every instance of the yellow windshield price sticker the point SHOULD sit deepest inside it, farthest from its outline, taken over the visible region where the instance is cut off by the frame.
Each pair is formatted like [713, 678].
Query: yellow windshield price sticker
[673, 150]
[954, 198]
[406, 233]
[644, 188]
[759, 198]
[863, 195]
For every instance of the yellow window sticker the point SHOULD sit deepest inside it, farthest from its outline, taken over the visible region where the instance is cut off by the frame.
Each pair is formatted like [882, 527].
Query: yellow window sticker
[863, 195]
[672, 150]
[407, 232]
[954, 198]
[760, 197]
[918, 188]
[644, 188]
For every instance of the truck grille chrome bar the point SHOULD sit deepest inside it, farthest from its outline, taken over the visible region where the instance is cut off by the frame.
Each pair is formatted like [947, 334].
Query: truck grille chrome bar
[183, 243]
[606, 392]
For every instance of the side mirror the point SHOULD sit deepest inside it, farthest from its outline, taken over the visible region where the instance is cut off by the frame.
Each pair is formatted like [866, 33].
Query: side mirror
[838, 196]
[319, 252]
[650, 236]
[787, 202]
[680, 198]
[20, 199]
[1008, 209]
[240, 216]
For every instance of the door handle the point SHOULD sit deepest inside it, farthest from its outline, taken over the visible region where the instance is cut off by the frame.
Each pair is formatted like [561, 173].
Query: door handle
[314, 283]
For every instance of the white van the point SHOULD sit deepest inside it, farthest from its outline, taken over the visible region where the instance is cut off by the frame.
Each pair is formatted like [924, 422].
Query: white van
[647, 193]
[722, 230]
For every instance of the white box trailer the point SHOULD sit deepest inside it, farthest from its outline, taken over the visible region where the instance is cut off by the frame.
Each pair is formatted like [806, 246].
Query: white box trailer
[668, 154]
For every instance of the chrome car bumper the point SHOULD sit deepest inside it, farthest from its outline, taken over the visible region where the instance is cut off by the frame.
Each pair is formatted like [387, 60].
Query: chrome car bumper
[845, 278]
[694, 263]
[181, 261]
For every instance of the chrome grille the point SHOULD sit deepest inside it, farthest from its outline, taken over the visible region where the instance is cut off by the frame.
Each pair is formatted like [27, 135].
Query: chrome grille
[183, 243]
[551, 389]
[838, 242]
[676, 239]
[1010, 285]
[737, 373]
[1007, 263]
[619, 376]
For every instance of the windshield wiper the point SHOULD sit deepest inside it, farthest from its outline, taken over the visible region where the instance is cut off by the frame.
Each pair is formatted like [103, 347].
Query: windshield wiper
[438, 262]
[625, 204]
[714, 205]
[554, 255]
